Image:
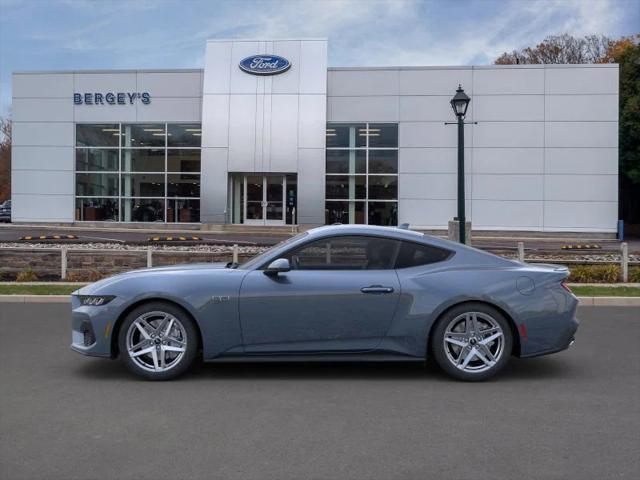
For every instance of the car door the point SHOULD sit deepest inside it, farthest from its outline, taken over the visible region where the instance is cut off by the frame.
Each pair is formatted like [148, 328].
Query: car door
[339, 296]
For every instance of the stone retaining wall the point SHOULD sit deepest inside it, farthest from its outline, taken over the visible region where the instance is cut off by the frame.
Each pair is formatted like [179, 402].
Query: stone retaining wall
[88, 265]
[45, 264]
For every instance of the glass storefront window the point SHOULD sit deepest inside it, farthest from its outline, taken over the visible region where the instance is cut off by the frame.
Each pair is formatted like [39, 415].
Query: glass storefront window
[142, 210]
[183, 185]
[96, 210]
[383, 213]
[101, 135]
[383, 161]
[183, 160]
[96, 159]
[183, 211]
[96, 185]
[143, 160]
[184, 135]
[383, 187]
[346, 136]
[346, 161]
[345, 212]
[143, 185]
[144, 135]
[346, 187]
[383, 135]
[138, 178]
[366, 154]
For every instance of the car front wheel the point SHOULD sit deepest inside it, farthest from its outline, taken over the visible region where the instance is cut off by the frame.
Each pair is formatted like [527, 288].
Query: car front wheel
[472, 342]
[158, 341]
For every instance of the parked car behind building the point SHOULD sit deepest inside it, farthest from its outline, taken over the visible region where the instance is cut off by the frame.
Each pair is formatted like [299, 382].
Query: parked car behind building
[5, 211]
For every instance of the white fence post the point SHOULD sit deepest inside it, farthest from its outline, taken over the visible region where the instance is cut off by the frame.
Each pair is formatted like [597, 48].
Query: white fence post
[149, 257]
[521, 251]
[63, 263]
[624, 262]
[235, 253]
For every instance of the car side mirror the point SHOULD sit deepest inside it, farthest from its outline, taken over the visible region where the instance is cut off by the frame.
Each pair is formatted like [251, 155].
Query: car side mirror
[279, 265]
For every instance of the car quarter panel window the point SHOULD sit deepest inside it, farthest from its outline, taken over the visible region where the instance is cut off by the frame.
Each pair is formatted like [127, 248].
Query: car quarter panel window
[416, 254]
[345, 253]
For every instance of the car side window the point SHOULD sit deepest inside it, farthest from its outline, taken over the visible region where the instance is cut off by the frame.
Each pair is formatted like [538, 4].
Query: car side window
[415, 254]
[345, 253]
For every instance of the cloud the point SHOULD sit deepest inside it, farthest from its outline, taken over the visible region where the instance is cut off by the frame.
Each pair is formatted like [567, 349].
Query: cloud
[172, 33]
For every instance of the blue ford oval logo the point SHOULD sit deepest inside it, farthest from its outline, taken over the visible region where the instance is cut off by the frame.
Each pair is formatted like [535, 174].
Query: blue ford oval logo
[265, 64]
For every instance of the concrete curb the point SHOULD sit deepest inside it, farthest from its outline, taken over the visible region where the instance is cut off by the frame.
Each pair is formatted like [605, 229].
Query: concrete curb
[609, 301]
[584, 301]
[35, 299]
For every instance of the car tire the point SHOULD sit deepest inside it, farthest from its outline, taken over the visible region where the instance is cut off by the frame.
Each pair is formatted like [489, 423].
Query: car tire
[158, 341]
[472, 350]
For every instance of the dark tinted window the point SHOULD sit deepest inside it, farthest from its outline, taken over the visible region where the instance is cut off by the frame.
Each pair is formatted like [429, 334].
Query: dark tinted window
[102, 135]
[345, 253]
[414, 254]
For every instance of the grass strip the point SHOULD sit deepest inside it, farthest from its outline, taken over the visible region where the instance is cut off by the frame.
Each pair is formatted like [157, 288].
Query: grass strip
[601, 291]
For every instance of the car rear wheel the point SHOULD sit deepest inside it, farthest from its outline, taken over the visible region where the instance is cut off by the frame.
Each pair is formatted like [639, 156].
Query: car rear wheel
[158, 341]
[472, 342]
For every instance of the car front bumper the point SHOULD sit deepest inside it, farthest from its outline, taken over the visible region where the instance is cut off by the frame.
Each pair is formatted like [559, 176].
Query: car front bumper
[92, 328]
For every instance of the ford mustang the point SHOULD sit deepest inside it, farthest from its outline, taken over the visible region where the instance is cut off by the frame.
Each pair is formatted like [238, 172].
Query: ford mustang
[335, 293]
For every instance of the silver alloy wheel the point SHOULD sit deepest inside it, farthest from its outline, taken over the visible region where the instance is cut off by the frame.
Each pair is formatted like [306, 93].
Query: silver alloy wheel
[156, 341]
[474, 342]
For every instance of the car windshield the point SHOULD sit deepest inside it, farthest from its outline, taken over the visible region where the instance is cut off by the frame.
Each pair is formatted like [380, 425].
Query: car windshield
[260, 258]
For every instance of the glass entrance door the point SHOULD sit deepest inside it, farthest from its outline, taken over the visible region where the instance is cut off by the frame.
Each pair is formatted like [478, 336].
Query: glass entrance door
[274, 192]
[264, 199]
[254, 199]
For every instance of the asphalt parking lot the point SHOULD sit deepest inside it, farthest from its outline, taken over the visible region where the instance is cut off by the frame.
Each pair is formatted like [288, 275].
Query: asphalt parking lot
[571, 415]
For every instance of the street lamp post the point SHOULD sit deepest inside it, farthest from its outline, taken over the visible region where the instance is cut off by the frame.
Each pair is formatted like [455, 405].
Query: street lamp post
[460, 103]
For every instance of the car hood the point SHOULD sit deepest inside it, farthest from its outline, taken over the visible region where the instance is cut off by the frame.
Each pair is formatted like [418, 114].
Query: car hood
[100, 285]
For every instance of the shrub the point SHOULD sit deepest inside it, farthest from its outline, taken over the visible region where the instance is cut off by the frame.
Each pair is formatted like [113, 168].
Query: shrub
[634, 274]
[92, 275]
[594, 273]
[95, 275]
[74, 277]
[27, 275]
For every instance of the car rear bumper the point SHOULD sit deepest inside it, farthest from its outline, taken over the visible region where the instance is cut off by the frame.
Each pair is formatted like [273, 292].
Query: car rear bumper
[564, 339]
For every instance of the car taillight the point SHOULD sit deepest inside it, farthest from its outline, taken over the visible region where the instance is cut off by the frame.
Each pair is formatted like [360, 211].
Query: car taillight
[565, 285]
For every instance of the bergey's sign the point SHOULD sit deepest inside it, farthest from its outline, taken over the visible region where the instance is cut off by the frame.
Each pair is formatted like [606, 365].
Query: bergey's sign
[265, 64]
[111, 98]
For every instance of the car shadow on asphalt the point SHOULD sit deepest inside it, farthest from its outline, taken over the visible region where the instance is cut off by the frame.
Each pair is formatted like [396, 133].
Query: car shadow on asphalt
[517, 370]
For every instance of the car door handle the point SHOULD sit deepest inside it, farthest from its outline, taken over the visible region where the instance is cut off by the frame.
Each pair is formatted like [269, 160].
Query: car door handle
[376, 289]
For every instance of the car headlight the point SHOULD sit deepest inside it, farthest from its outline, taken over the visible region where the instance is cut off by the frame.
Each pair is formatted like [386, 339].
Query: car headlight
[95, 300]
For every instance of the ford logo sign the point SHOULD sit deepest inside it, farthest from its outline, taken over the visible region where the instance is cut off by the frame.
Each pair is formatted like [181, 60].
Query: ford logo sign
[265, 64]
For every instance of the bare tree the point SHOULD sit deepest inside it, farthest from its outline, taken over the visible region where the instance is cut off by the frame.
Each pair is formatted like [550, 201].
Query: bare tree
[563, 48]
[5, 159]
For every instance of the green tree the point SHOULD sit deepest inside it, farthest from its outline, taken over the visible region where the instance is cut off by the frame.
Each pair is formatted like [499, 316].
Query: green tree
[5, 159]
[626, 53]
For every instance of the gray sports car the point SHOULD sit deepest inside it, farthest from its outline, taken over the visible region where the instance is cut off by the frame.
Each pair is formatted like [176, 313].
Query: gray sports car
[337, 293]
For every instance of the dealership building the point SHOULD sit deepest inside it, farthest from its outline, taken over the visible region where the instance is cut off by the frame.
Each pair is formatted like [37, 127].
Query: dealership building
[268, 134]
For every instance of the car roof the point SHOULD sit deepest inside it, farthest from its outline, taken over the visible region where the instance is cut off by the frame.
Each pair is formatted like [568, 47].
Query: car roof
[340, 229]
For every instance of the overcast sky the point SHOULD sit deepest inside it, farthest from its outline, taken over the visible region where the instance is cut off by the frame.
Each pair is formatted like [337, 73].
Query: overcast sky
[105, 34]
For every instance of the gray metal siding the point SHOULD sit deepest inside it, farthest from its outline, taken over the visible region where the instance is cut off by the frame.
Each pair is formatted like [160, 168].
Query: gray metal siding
[43, 184]
[543, 155]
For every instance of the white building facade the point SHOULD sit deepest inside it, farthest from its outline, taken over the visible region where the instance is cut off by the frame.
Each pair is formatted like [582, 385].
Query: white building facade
[268, 134]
